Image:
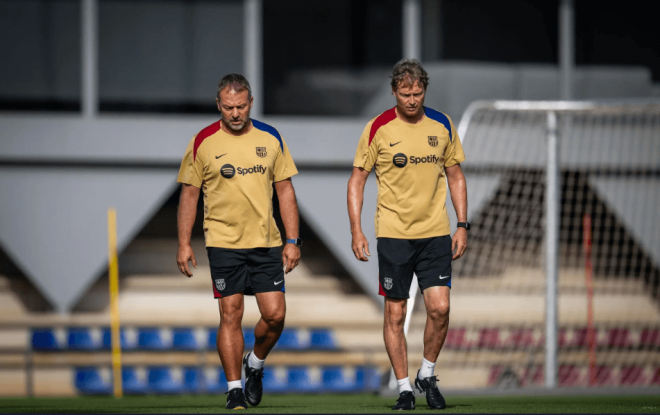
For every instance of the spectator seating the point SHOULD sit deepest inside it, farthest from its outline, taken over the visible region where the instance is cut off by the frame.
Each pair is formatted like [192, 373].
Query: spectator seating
[291, 339]
[294, 339]
[163, 380]
[214, 381]
[179, 338]
[151, 338]
[184, 339]
[126, 343]
[458, 338]
[274, 383]
[212, 339]
[299, 379]
[335, 380]
[82, 338]
[89, 382]
[44, 339]
[323, 339]
[193, 380]
[572, 375]
[132, 383]
[248, 338]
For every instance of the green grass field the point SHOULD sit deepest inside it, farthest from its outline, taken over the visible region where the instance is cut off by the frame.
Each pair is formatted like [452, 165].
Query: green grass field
[364, 403]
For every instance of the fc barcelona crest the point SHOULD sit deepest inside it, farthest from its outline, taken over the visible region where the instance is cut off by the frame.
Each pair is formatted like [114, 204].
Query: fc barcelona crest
[388, 283]
[220, 284]
[433, 140]
[261, 151]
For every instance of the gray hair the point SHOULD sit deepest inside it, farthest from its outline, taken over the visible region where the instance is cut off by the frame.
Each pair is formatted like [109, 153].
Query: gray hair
[236, 82]
[409, 70]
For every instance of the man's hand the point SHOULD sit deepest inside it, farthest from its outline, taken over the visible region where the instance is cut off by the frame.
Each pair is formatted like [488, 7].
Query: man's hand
[290, 257]
[185, 220]
[360, 246]
[459, 242]
[184, 255]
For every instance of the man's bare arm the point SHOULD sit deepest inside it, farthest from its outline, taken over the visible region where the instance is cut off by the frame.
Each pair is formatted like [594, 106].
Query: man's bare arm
[356, 183]
[458, 190]
[289, 212]
[185, 221]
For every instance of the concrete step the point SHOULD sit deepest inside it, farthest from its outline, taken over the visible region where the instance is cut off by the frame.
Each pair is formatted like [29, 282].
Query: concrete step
[528, 280]
[498, 308]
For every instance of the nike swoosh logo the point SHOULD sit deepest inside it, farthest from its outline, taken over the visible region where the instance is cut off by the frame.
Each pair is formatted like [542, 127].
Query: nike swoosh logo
[392, 145]
[278, 283]
[444, 278]
[217, 157]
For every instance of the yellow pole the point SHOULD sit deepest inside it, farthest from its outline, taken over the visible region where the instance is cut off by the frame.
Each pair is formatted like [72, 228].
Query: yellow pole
[113, 274]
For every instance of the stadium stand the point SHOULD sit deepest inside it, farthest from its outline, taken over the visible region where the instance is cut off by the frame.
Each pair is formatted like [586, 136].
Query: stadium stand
[82, 338]
[275, 380]
[90, 382]
[165, 380]
[150, 338]
[293, 340]
[125, 338]
[301, 379]
[215, 380]
[133, 382]
[44, 339]
[166, 353]
[184, 339]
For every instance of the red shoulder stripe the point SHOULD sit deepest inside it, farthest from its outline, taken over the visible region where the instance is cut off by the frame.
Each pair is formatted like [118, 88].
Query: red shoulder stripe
[381, 120]
[208, 131]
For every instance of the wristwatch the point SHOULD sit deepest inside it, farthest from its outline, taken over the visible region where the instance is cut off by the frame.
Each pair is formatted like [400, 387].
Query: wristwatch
[297, 242]
[465, 225]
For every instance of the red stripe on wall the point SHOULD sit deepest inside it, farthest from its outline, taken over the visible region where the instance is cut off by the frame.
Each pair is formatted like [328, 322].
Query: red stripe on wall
[380, 121]
[202, 135]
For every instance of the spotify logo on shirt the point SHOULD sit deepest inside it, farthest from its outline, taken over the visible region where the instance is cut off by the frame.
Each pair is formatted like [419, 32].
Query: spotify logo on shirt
[227, 171]
[400, 160]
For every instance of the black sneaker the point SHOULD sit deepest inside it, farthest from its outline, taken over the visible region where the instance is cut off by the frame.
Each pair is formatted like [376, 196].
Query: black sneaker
[405, 402]
[236, 399]
[254, 388]
[433, 396]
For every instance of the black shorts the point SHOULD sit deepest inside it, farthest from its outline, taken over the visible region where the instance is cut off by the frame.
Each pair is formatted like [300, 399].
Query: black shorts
[249, 271]
[398, 259]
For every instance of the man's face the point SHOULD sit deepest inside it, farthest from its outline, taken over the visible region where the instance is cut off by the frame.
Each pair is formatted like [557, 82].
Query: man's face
[410, 98]
[235, 107]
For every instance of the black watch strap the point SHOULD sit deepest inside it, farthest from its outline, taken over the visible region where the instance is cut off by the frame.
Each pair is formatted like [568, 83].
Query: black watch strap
[465, 225]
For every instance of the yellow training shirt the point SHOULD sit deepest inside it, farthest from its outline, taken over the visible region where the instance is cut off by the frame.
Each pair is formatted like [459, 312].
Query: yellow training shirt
[236, 175]
[410, 161]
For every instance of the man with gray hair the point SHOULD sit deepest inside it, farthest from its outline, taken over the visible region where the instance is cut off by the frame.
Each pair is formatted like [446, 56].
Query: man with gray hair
[237, 161]
[412, 148]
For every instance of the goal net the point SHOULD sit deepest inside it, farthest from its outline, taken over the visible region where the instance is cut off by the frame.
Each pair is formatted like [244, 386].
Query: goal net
[608, 255]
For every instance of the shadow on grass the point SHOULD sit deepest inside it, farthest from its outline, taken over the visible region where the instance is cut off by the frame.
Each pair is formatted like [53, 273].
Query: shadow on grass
[277, 407]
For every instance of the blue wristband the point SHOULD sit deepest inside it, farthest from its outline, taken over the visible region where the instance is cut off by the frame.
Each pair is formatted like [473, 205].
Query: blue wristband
[297, 242]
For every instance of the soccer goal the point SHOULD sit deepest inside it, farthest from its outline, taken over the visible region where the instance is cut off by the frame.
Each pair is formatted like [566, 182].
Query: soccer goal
[559, 286]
